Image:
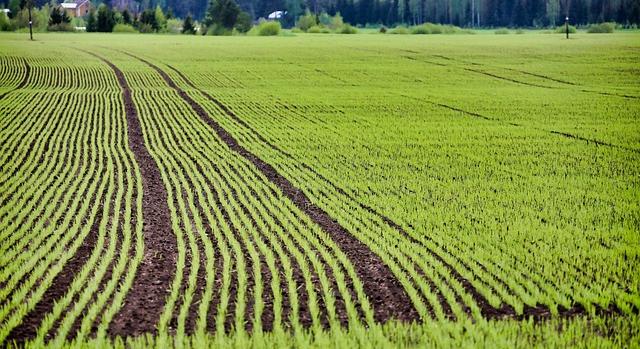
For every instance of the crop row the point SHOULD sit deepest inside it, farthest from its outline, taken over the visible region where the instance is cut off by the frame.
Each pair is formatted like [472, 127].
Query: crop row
[516, 284]
[223, 209]
[68, 221]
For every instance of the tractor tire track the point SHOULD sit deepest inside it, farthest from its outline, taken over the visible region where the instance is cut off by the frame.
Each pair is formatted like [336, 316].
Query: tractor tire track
[388, 297]
[146, 298]
[554, 132]
[60, 285]
[540, 76]
[468, 287]
[539, 312]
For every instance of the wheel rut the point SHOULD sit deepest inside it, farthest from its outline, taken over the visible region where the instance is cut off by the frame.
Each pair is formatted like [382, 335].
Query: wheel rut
[386, 294]
[554, 132]
[539, 312]
[145, 301]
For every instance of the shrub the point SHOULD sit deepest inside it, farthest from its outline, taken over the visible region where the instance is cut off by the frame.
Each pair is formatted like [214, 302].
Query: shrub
[337, 22]
[607, 27]
[316, 29]
[399, 30]
[324, 19]
[562, 30]
[431, 28]
[5, 23]
[144, 28]
[269, 28]
[502, 31]
[420, 30]
[219, 30]
[78, 22]
[124, 28]
[519, 31]
[296, 30]
[61, 27]
[173, 26]
[383, 29]
[348, 29]
[306, 21]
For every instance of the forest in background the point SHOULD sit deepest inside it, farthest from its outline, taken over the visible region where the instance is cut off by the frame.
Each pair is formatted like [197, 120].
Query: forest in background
[464, 13]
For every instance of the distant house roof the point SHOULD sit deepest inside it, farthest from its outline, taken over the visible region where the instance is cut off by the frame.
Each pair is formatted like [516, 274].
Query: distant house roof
[276, 14]
[73, 5]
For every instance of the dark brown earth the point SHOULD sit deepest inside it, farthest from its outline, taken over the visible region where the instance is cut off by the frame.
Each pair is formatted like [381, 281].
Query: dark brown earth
[386, 294]
[60, 285]
[145, 301]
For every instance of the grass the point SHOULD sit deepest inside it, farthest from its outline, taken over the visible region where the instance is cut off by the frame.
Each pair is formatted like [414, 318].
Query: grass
[508, 161]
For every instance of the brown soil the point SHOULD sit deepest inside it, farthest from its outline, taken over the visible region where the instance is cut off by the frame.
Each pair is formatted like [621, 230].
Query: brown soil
[60, 285]
[145, 301]
[386, 294]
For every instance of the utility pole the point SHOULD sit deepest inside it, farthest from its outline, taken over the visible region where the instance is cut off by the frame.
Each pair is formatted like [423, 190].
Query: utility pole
[566, 25]
[29, 4]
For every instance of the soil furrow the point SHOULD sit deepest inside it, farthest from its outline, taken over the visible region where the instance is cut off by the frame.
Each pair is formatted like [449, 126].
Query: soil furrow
[480, 300]
[145, 301]
[60, 285]
[388, 297]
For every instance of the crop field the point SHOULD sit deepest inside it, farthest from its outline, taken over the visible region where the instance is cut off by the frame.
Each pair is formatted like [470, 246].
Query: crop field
[320, 191]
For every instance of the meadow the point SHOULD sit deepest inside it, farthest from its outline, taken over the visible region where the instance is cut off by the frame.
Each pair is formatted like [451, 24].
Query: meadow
[320, 191]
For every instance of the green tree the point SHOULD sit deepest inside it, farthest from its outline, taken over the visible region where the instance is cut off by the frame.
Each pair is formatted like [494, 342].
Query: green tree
[105, 19]
[187, 26]
[5, 23]
[161, 20]
[92, 23]
[126, 17]
[222, 13]
[306, 21]
[244, 22]
[148, 21]
[55, 17]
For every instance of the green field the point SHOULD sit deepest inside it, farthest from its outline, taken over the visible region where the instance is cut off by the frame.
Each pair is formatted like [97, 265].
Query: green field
[320, 190]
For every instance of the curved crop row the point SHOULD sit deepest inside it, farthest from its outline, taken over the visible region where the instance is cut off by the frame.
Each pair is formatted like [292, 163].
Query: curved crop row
[68, 226]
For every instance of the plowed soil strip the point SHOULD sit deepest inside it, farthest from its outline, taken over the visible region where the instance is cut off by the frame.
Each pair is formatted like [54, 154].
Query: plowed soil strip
[25, 79]
[60, 285]
[151, 286]
[388, 297]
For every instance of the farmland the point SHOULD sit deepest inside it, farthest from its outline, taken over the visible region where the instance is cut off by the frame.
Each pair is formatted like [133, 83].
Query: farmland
[363, 190]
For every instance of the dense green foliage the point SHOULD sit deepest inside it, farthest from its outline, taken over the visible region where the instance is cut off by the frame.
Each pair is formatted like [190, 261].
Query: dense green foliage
[511, 162]
[602, 28]
[268, 28]
[476, 13]
[222, 14]
[187, 26]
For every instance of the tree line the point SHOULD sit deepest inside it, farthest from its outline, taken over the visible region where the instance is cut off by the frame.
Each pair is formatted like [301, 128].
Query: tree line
[464, 13]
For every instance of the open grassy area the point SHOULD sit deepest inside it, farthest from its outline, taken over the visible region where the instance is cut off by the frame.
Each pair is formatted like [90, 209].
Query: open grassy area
[320, 190]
